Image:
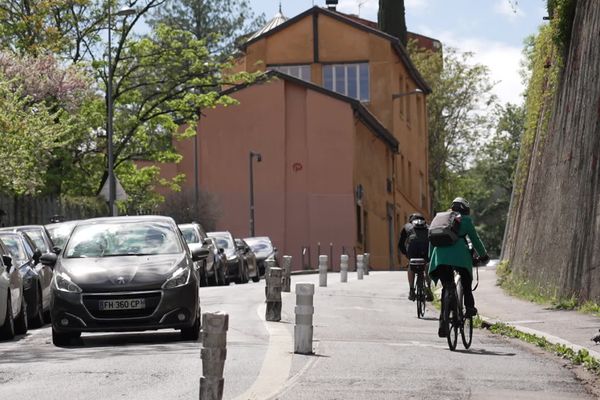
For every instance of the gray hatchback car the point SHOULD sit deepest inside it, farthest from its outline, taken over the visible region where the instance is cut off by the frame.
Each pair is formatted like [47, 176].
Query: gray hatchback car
[125, 274]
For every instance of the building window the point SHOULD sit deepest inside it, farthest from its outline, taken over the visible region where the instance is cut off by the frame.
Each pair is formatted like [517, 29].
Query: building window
[403, 98]
[402, 172]
[408, 110]
[297, 71]
[351, 80]
[419, 117]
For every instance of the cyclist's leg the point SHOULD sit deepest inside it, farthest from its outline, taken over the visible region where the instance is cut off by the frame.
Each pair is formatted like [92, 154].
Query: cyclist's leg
[466, 280]
[411, 284]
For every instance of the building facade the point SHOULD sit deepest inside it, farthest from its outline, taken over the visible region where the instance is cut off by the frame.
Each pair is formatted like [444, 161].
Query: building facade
[341, 126]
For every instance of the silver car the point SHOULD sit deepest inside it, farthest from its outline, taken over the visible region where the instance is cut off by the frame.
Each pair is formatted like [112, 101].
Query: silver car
[13, 309]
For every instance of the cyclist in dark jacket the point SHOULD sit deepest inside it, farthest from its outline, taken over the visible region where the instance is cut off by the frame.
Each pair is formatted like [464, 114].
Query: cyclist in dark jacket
[414, 245]
[458, 256]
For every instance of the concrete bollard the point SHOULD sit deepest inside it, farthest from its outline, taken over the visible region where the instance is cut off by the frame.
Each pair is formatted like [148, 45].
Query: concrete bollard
[343, 268]
[303, 328]
[323, 271]
[273, 294]
[366, 263]
[213, 354]
[360, 266]
[269, 263]
[287, 274]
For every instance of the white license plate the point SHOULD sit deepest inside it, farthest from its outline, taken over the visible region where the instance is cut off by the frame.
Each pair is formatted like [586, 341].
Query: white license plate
[123, 304]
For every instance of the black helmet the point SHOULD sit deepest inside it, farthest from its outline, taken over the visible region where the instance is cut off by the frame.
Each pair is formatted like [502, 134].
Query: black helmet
[461, 205]
[414, 216]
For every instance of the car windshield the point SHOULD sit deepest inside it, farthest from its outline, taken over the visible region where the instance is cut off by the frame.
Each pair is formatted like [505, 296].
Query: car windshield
[38, 239]
[59, 233]
[223, 241]
[15, 247]
[190, 235]
[122, 239]
[261, 247]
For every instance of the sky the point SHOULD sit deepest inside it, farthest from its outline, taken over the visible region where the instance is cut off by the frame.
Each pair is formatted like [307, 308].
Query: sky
[494, 30]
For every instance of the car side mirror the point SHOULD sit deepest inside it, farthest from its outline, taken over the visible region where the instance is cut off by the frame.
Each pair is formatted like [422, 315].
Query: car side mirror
[205, 242]
[199, 254]
[56, 250]
[36, 255]
[7, 260]
[49, 259]
[221, 250]
[274, 249]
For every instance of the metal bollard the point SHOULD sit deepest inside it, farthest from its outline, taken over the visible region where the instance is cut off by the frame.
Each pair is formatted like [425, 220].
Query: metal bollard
[343, 268]
[303, 329]
[323, 271]
[287, 274]
[360, 266]
[269, 263]
[273, 294]
[213, 354]
[366, 263]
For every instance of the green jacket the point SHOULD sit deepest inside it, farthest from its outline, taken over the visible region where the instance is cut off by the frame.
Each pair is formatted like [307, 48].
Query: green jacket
[457, 255]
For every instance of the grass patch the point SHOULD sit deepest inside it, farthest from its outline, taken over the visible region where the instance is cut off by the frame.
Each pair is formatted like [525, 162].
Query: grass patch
[530, 291]
[581, 357]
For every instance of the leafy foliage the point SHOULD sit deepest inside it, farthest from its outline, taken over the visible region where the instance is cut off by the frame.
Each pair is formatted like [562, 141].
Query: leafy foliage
[219, 23]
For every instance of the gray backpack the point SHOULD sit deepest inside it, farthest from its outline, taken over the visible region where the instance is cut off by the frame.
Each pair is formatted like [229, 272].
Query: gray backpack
[443, 230]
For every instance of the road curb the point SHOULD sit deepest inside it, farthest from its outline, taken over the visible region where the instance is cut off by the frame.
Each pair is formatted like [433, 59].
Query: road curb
[487, 323]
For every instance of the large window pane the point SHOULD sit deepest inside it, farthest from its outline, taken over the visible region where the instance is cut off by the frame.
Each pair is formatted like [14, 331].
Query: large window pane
[364, 82]
[352, 72]
[328, 77]
[340, 79]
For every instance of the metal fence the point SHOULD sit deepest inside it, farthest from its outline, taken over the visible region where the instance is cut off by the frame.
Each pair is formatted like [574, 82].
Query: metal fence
[25, 210]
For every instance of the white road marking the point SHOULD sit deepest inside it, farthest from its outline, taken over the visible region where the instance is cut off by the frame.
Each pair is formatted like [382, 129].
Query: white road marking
[277, 364]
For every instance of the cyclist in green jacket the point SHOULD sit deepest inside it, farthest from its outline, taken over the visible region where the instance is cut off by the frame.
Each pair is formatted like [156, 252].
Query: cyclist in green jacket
[445, 259]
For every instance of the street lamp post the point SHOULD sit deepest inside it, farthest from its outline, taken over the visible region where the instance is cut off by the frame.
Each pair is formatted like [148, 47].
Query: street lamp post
[109, 111]
[259, 159]
[398, 95]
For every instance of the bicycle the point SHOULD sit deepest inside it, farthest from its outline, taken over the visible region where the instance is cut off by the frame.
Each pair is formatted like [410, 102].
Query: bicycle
[454, 313]
[417, 265]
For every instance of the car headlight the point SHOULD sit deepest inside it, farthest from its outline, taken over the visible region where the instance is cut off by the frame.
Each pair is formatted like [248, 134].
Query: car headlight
[179, 278]
[63, 283]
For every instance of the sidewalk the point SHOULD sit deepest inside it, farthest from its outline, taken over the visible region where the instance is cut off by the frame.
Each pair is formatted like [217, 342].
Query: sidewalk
[569, 328]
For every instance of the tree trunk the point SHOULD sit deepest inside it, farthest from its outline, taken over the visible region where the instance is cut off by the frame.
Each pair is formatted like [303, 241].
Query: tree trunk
[392, 20]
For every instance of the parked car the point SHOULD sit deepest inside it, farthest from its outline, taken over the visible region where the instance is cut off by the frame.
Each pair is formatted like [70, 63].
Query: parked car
[39, 234]
[263, 250]
[59, 232]
[124, 274]
[37, 277]
[220, 263]
[236, 267]
[212, 268]
[249, 258]
[13, 309]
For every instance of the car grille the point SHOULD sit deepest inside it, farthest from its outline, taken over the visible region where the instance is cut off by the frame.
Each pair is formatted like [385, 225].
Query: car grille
[91, 303]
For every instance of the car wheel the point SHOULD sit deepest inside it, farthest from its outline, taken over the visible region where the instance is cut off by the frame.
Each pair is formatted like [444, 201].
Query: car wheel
[21, 321]
[256, 278]
[63, 339]
[7, 331]
[37, 320]
[193, 332]
[244, 275]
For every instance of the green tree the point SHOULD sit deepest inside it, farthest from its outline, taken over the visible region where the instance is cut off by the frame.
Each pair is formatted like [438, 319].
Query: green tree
[392, 19]
[460, 115]
[220, 23]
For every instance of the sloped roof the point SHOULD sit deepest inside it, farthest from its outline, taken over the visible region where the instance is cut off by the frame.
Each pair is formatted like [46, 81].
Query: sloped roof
[277, 20]
[360, 111]
[394, 41]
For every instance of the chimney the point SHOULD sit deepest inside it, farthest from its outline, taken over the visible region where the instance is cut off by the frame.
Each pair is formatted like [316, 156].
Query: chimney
[331, 4]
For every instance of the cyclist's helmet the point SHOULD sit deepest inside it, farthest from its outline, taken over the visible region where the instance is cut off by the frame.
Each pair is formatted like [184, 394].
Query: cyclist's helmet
[461, 205]
[414, 216]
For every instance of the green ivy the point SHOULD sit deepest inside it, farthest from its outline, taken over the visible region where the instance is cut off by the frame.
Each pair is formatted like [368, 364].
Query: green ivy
[562, 14]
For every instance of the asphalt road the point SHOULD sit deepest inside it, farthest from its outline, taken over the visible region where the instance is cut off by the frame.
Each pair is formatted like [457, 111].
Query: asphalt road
[368, 345]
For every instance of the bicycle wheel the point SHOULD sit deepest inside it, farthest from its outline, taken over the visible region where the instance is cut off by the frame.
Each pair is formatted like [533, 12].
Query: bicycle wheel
[420, 297]
[466, 332]
[452, 321]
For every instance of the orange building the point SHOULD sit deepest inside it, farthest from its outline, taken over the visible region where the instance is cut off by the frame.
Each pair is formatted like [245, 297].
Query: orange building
[342, 130]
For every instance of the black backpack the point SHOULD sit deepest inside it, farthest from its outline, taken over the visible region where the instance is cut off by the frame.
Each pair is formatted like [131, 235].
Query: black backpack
[444, 228]
[417, 241]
